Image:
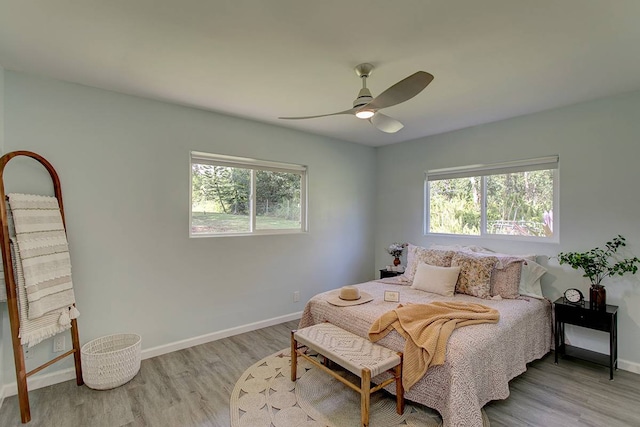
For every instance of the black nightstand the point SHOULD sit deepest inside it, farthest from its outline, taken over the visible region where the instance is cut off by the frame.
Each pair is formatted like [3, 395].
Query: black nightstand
[386, 273]
[582, 315]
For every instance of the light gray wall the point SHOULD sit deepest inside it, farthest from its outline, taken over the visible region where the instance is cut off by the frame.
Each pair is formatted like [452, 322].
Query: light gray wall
[124, 166]
[599, 147]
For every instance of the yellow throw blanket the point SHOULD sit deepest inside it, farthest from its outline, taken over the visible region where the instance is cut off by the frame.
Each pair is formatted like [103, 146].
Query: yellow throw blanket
[426, 329]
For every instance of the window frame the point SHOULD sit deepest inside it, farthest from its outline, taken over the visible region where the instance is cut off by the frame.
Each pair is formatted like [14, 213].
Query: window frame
[483, 171]
[254, 165]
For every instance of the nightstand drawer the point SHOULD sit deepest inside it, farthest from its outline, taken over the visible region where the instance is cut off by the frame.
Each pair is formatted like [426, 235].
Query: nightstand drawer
[591, 323]
[586, 318]
[386, 273]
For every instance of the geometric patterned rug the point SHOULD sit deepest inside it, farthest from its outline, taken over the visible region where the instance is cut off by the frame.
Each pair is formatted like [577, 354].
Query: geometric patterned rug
[264, 396]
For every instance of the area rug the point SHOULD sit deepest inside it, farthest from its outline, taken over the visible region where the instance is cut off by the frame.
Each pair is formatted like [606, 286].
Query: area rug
[264, 396]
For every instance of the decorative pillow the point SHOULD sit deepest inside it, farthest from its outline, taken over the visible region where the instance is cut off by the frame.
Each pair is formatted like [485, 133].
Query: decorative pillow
[417, 255]
[530, 279]
[505, 281]
[438, 280]
[475, 273]
[412, 262]
[505, 278]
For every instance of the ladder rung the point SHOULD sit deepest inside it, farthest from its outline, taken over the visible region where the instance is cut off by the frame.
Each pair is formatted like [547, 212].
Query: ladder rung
[50, 362]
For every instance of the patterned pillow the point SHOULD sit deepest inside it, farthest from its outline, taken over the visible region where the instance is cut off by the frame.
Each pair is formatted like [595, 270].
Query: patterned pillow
[417, 255]
[505, 281]
[505, 278]
[475, 273]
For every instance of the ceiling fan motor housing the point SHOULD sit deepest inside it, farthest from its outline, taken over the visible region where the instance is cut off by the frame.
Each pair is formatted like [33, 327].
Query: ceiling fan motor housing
[364, 97]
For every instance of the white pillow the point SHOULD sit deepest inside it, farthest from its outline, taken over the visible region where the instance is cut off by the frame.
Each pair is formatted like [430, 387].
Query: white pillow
[530, 279]
[438, 280]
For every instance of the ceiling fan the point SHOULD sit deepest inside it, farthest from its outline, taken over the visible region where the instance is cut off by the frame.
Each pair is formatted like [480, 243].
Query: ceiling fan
[367, 107]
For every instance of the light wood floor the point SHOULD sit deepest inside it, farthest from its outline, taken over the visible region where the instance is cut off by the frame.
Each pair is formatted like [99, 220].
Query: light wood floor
[192, 387]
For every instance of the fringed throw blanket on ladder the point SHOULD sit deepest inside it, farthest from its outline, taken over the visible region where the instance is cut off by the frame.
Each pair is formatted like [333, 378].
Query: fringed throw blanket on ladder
[42, 267]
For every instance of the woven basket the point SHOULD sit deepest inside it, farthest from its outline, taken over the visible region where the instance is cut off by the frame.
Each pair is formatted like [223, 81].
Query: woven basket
[110, 361]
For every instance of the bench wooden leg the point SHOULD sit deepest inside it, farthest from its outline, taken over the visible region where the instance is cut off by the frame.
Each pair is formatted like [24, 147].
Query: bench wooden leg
[294, 357]
[399, 390]
[365, 397]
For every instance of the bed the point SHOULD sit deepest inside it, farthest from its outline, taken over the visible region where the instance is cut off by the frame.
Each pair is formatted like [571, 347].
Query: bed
[480, 359]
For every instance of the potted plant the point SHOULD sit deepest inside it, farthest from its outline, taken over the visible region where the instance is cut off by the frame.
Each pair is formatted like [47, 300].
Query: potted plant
[396, 249]
[599, 263]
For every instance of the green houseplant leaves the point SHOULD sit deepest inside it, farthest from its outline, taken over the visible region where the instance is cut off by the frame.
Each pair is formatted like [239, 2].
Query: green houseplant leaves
[599, 263]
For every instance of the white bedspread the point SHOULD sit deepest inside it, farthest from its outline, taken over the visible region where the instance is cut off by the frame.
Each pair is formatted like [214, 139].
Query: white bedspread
[480, 360]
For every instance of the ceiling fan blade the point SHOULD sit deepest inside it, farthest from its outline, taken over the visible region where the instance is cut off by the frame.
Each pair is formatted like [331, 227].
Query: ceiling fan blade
[385, 123]
[400, 92]
[351, 111]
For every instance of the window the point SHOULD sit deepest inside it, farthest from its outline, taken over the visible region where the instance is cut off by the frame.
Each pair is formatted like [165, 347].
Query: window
[239, 196]
[518, 198]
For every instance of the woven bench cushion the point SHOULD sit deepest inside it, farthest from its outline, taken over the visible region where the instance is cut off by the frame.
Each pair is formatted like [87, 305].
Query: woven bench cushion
[348, 350]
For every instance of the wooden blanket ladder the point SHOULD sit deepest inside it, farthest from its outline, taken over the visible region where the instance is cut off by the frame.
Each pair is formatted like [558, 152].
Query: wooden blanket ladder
[12, 298]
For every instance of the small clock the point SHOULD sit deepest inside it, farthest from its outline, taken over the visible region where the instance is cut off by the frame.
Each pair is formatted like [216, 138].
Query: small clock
[573, 296]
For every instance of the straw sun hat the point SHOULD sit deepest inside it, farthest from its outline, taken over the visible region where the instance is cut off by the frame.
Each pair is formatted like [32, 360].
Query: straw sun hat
[348, 295]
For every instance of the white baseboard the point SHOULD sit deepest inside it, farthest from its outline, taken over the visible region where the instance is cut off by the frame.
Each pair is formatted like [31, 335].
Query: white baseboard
[625, 365]
[39, 381]
[214, 336]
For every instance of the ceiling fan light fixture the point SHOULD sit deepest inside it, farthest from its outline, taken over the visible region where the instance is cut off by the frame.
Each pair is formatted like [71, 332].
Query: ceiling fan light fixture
[365, 114]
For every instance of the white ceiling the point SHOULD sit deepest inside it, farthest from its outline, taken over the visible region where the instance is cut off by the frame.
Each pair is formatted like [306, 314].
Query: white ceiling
[261, 59]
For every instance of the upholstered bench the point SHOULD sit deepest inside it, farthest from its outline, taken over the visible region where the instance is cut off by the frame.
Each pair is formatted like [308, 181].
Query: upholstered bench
[354, 353]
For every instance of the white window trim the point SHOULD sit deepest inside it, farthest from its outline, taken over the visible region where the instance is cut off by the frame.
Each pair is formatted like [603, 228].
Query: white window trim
[484, 170]
[253, 165]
